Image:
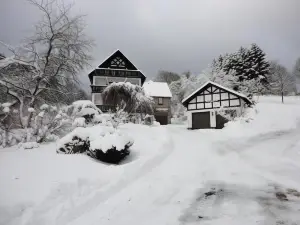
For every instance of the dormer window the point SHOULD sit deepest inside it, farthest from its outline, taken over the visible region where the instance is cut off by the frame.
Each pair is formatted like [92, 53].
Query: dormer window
[117, 63]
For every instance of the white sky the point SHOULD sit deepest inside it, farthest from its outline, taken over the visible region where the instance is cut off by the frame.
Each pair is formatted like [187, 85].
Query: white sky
[176, 35]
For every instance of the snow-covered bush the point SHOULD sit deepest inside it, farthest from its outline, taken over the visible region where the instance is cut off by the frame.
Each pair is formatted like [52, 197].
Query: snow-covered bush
[47, 121]
[86, 109]
[79, 122]
[110, 147]
[100, 142]
[149, 119]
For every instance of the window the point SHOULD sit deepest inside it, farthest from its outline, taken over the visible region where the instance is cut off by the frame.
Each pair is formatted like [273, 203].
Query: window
[160, 101]
[117, 62]
[100, 81]
[98, 99]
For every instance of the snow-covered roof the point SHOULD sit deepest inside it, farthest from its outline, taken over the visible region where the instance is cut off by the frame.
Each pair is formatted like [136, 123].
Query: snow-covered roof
[220, 86]
[157, 89]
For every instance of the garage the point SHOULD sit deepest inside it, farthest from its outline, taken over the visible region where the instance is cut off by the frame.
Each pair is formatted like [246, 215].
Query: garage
[162, 119]
[204, 104]
[201, 120]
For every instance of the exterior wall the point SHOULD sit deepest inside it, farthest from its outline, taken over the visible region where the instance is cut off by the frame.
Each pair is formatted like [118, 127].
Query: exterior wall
[163, 109]
[97, 98]
[213, 113]
[105, 81]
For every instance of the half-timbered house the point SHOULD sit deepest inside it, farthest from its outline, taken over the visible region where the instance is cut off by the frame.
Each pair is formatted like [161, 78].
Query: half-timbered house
[116, 68]
[204, 104]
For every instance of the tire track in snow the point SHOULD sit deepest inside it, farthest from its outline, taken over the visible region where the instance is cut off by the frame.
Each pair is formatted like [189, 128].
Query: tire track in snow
[56, 212]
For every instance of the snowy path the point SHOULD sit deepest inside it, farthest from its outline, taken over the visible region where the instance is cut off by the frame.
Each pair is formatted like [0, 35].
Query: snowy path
[174, 176]
[171, 192]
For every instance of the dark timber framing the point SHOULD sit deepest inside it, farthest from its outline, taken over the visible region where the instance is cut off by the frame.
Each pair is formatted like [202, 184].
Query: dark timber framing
[203, 105]
[117, 65]
[207, 93]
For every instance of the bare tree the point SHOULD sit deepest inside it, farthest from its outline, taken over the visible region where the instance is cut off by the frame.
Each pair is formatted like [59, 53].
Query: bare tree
[166, 76]
[48, 61]
[280, 80]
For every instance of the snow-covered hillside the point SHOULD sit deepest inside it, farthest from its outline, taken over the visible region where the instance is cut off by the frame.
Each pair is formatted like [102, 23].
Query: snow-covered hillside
[247, 173]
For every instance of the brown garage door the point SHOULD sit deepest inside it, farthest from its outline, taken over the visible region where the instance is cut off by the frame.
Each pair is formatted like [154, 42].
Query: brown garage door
[163, 120]
[201, 120]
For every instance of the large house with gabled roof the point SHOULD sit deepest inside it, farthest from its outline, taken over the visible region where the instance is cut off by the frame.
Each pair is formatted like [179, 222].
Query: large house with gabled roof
[116, 68]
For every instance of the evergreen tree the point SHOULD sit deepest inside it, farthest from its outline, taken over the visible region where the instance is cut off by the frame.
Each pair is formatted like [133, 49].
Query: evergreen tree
[257, 64]
[296, 70]
[246, 63]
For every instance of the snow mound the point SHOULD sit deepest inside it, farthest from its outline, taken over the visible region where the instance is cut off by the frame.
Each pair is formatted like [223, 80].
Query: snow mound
[268, 115]
[29, 145]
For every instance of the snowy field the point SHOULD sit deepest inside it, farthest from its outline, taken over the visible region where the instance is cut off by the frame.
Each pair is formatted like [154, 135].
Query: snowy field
[247, 173]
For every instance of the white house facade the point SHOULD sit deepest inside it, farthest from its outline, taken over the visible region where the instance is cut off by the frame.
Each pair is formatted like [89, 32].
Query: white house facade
[116, 68]
[205, 104]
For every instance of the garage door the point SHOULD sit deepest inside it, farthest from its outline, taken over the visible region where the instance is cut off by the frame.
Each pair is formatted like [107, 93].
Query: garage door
[163, 120]
[201, 120]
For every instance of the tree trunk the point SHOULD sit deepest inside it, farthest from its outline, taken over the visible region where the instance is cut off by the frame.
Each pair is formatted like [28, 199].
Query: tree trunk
[5, 138]
[282, 97]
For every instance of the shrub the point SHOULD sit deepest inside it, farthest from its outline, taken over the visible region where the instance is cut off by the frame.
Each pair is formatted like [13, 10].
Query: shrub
[76, 145]
[85, 109]
[110, 147]
[100, 142]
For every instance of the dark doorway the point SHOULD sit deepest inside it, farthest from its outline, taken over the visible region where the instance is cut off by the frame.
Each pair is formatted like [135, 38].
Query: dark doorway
[163, 120]
[220, 121]
[201, 120]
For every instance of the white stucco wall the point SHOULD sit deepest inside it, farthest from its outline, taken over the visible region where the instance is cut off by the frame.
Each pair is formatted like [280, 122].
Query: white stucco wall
[213, 113]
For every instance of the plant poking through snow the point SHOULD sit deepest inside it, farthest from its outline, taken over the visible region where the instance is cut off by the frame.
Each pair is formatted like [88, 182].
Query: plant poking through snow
[7, 122]
[84, 109]
[47, 121]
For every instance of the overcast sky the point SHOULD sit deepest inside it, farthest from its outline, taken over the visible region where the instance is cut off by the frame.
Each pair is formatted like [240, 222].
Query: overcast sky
[175, 35]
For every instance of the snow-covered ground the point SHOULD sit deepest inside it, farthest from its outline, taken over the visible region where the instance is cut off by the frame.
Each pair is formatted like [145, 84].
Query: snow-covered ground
[247, 173]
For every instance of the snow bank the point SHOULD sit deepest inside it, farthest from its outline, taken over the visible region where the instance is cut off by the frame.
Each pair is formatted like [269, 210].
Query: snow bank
[37, 184]
[28, 145]
[269, 115]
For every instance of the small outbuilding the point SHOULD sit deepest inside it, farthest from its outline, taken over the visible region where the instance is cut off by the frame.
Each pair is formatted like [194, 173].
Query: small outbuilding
[161, 94]
[205, 104]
